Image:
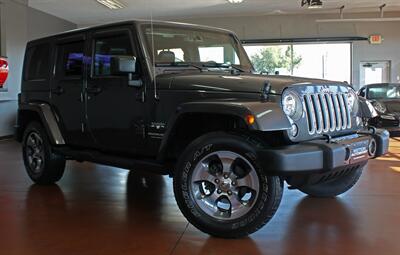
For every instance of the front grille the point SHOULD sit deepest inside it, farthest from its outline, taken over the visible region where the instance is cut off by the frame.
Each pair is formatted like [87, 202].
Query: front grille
[327, 112]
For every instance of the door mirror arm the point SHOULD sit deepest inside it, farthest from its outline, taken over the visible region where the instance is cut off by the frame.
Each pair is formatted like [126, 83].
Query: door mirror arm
[127, 65]
[134, 81]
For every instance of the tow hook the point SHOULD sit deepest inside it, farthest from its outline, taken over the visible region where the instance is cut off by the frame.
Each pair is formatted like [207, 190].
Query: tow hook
[372, 129]
[328, 138]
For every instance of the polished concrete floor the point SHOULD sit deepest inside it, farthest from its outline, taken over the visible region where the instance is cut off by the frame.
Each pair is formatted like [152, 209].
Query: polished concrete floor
[102, 210]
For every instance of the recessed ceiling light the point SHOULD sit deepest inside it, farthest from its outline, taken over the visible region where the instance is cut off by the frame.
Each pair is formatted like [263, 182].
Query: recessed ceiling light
[235, 1]
[312, 4]
[111, 4]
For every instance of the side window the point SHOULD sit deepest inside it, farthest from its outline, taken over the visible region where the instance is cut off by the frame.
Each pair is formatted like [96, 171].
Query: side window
[37, 65]
[108, 47]
[70, 59]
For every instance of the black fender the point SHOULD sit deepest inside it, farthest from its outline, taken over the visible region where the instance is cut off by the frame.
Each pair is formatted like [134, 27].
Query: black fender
[269, 116]
[48, 120]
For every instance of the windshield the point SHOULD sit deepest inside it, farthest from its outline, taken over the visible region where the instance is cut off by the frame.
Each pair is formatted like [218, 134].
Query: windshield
[176, 46]
[384, 92]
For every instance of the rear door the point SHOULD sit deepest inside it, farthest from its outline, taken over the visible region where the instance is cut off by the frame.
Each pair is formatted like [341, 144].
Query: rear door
[67, 88]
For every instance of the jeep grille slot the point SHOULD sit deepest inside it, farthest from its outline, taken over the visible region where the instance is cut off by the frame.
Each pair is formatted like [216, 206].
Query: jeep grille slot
[326, 112]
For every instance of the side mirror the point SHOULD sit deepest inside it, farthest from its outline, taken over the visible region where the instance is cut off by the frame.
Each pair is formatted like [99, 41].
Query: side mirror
[361, 93]
[121, 65]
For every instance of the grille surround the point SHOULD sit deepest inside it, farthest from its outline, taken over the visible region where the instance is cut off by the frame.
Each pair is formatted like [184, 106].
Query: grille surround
[327, 112]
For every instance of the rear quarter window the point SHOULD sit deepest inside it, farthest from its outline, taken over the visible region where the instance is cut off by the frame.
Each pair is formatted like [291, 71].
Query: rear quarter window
[37, 62]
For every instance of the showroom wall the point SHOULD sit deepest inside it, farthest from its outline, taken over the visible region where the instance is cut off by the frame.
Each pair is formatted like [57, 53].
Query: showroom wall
[300, 26]
[19, 24]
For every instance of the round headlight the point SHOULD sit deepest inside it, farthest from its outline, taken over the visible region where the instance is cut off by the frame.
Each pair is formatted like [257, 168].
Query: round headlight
[379, 107]
[291, 105]
[351, 99]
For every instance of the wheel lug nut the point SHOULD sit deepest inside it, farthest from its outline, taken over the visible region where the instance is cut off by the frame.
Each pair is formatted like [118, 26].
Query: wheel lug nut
[229, 192]
[216, 181]
[219, 191]
[226, 176]
[234, 183]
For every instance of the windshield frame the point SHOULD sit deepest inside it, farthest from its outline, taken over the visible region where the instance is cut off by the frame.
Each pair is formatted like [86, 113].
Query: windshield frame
[386, 86]
[149, 55]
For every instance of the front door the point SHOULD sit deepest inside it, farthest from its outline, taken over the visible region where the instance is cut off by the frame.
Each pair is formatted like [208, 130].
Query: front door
[115, 110]
[67, 88]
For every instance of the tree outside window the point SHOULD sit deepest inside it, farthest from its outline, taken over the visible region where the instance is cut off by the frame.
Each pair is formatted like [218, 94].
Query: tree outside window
[276, 59]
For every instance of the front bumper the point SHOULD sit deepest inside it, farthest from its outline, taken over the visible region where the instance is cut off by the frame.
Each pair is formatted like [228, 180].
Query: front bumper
[320, 156]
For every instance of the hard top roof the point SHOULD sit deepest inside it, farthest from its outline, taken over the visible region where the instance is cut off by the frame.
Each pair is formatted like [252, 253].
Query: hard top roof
[129, 22]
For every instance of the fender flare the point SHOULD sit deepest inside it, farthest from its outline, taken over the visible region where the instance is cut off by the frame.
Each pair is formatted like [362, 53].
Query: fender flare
[48, 120]
[269, 116]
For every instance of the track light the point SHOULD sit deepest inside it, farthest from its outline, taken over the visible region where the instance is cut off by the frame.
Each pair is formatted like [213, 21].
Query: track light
[235, 1]
[111, 4]
[312, 4]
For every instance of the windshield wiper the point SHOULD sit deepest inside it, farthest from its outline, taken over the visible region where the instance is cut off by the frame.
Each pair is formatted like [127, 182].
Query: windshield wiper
[238, 68]
[180, 64]
[232, 66]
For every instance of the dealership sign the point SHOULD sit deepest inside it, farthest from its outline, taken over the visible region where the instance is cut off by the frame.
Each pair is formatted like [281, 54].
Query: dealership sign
[3, 71]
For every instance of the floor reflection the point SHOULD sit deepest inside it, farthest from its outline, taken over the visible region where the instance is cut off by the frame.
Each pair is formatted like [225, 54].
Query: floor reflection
[95, 216]
[45, 199]
[144, 191]
[322, 226]
[217, 246]
[103, 210]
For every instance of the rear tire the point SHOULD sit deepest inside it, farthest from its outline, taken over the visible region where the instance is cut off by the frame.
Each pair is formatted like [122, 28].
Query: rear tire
[333, 187]
[42, 165]
[228, 169]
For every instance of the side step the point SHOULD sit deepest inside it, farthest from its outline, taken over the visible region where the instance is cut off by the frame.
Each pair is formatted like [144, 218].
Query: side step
[112, 160]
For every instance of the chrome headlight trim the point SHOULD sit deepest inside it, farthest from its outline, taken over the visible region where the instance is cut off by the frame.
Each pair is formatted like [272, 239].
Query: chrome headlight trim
[291, 105]
[352, 101]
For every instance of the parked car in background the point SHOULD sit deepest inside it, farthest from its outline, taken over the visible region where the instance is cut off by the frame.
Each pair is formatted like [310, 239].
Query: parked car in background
[385, 97]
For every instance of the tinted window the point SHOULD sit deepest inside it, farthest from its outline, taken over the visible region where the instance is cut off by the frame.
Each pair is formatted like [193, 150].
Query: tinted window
[70, 59]
[384, 92]
[37, 62]
[106, 48]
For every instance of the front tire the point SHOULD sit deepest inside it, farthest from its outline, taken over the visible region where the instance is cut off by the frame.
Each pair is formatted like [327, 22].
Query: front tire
[335, 187]
[221, 188]
[42, 165]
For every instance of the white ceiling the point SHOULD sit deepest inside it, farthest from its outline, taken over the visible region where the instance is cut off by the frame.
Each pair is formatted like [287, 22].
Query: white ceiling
[87, 12]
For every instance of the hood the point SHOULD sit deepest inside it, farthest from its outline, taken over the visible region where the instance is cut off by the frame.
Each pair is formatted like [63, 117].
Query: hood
[392, 105]
[226, 82]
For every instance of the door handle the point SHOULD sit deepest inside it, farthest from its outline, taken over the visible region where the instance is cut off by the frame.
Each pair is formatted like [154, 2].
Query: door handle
[94, 90]
[59, 90]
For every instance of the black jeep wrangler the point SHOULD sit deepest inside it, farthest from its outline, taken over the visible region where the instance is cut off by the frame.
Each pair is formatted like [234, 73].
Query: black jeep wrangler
[184, 100]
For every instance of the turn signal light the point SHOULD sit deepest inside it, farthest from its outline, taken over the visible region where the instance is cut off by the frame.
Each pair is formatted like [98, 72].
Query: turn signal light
[250, 119]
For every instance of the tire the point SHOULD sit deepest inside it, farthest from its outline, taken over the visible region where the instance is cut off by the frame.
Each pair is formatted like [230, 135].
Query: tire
[333, 187]
[42, 165]
[253, 196]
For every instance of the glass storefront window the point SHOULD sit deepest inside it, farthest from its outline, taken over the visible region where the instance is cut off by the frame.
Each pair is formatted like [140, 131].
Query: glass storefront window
[330, 61]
